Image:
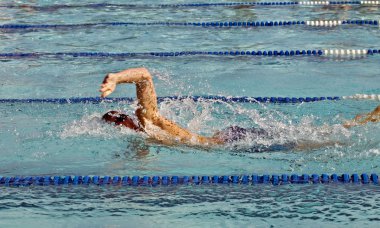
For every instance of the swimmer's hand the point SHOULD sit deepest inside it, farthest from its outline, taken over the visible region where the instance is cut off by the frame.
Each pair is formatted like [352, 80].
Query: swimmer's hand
[108, 85]
[362, 119]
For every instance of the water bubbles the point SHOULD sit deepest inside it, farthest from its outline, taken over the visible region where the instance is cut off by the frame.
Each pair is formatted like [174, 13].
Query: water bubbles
[195, 116]
[93, 125]
[290, 130]
[39, 154]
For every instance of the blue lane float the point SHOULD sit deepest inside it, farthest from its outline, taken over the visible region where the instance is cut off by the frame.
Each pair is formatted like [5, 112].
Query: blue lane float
[19, 181]
[193, 5]
[192, 25]
[178, 54]
[97, 100]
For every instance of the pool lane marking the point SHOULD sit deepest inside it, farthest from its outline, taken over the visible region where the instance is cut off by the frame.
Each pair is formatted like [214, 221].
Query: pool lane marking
[374, 97]
[194, 5]
[213, 24]
[274, 179]
[131, 55]
[244, 99]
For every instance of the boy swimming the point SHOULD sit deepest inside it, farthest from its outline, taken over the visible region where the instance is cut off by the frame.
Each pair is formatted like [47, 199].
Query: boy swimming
[150, 121]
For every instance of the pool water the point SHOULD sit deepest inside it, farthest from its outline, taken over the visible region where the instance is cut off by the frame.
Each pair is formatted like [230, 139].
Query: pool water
[70, 139]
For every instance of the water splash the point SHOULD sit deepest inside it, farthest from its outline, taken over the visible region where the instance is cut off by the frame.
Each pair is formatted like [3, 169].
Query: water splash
[93, 125]
[209, 117]
[195, 116]
[185, 86]
[281, 129]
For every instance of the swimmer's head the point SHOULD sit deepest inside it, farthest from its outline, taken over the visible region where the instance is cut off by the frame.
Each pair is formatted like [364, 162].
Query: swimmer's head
[120, 119]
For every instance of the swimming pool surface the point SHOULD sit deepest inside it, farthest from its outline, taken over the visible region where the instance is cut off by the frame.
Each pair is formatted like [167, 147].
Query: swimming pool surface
[70, 139]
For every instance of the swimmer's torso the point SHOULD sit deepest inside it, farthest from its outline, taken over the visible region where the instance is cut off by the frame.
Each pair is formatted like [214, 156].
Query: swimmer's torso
[164, 130]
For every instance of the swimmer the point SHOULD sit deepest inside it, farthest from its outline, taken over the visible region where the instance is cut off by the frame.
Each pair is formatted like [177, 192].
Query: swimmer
[151, 122]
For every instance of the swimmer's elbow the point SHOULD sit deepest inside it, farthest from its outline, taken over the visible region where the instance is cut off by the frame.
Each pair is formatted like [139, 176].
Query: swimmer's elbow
[145, 74]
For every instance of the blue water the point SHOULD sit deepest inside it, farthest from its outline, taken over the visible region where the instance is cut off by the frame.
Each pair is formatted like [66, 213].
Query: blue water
[70, 139]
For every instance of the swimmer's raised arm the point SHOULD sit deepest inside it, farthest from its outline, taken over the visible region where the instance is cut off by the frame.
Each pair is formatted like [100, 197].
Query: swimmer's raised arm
[147, 112]
[373, 116]
[146, 95]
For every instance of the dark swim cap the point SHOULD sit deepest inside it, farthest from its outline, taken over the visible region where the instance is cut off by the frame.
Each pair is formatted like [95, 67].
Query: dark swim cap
[120, 119]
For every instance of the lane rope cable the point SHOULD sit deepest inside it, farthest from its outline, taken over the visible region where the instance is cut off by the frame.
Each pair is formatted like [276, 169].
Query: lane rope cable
[217, 24]
[123, 55]
[19, 181]
[97, 100]
[195, 5]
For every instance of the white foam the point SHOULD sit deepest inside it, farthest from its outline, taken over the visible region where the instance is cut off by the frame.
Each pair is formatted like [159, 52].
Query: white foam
[282, 130]
[196, 115]
[207, 117]
[93, 125]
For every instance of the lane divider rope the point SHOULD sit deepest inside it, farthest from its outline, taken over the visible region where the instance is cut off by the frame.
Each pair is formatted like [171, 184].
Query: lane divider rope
[313, 52]
[97, 100]
[185, 5]
[227, 24]
[193, 180]
[363, 97]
